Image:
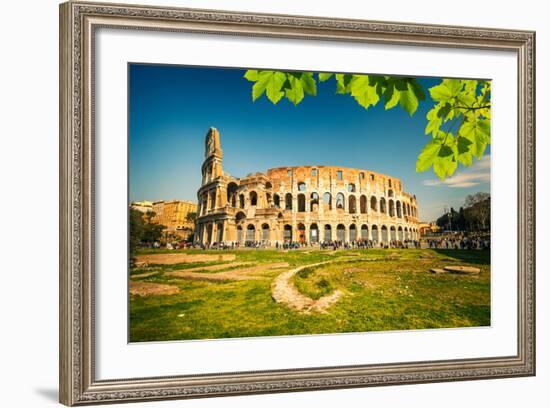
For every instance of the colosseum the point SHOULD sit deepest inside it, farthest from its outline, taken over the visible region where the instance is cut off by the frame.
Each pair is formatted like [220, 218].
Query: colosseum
[303, 204]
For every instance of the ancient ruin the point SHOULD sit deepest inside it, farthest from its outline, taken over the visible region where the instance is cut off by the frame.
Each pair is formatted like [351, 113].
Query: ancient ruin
[304, 204]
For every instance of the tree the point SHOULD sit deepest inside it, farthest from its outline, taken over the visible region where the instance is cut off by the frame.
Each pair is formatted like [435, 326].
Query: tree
[478, 209]
[459, 121]
[136, 232]
[191, 217]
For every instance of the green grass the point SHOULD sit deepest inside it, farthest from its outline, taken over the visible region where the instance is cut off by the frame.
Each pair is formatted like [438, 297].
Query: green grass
[383, 290]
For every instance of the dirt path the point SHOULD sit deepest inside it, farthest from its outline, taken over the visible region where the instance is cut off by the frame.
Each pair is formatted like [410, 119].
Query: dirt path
[176, 258]
[251, 273]
[149, 288]
[284, 291]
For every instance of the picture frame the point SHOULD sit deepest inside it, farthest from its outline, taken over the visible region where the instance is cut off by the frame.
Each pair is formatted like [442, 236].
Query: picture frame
[79, 22]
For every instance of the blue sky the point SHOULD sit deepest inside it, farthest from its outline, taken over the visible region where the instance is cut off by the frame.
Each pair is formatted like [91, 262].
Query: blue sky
[172, 107]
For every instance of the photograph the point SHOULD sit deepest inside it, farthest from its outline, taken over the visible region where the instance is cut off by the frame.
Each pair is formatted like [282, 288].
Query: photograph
[269, 202]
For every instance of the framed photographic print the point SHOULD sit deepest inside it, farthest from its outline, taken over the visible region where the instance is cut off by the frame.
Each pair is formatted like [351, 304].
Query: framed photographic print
[256, 203]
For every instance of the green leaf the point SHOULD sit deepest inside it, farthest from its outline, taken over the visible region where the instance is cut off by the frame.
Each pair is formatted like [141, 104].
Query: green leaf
[479, 133]
[446, 90]
[428, 154]
[434, 121]
[251, 75]
[294, 90]
[391, 96]
[343, 82]
[444, 166]
[324, 76]
[408, 100]
[270, 82]
[417, 88]
[308, 83]
[364, 93]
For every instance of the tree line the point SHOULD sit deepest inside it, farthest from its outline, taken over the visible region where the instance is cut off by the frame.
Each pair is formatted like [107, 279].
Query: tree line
[475, 215]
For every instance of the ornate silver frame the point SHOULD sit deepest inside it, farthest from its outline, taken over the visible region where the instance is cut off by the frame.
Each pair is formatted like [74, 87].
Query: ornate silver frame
[78, 21]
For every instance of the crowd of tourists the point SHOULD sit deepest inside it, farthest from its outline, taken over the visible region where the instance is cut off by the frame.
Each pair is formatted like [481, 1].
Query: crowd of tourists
[459, 242]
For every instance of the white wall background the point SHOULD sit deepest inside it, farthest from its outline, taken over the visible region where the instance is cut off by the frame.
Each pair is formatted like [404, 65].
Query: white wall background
[29, 194]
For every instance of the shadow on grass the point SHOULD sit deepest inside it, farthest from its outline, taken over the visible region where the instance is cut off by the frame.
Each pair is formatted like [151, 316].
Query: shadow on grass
[482, 257]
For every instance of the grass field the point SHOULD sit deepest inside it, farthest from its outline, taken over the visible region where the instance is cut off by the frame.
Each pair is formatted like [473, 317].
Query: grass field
[381, 290]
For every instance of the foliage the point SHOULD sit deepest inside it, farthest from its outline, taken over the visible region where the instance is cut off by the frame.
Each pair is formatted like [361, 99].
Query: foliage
[474, 216]
[459, 121]
[142, 230]
[191, 217]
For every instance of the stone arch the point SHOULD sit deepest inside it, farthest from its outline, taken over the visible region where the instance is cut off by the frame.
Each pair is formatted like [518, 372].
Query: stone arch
[341, 232]
[398, 209]
[351, 188]
[268, 185]
[313, 202]
[391, 205]
[384, 233]
[352, 233]
[250, 232]
[352, 204]
[340, 201]
[301, 232]
[301, 186]
[287, 233]
[390, 193]
[301, 202]
[393, 233]
[313, 233]
[327, 233]
[219, 238]
[374, 232]
[265, 232]
[253, 197]
[373, 204]
[363, 204]
[327, 201]
[240, 234]
[241, 201]
[232, 194]
[213, 199]
[383, 205]
[277, 200]
[288, 201]
[364, 232]
[400, 234]
[240, 216]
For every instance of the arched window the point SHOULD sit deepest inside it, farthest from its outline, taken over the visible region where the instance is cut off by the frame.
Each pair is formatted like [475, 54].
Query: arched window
[351, 188]
[400, 235]
[277, 200]
[328, 233]
[313, 233]
[213, 200]
[352, 233]
[287, 233]
[373, 204]
[301, 203]
[392, 208]
[384, 233]
[240, 216]
[301, 186]
[240, 235]
[268, 186]
[250, 233]
[265, 232]
[314, 202]
[383, 205]
[288, 201]
[398, 209]
[364, 232]
[327, 200]
[390, 192]
[253, 199]
[341, 232]
[241, 200]
[352, 205]
[232, 194]
[363, 204]
[340, 201]
[374, 232]
[393, 235]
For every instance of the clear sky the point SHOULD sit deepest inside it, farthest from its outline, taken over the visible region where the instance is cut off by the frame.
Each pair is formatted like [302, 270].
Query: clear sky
[172, 107]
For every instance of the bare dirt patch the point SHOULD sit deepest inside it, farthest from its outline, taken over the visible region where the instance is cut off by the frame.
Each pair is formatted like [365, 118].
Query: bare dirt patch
[251, 273]
[171, 259]
[284, 291]
[219, 267]
[143, 275]
[140, 288]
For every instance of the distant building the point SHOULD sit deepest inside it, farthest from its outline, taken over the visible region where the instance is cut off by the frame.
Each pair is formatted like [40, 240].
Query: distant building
[143, 206]
[173, 215]
[428, 228]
